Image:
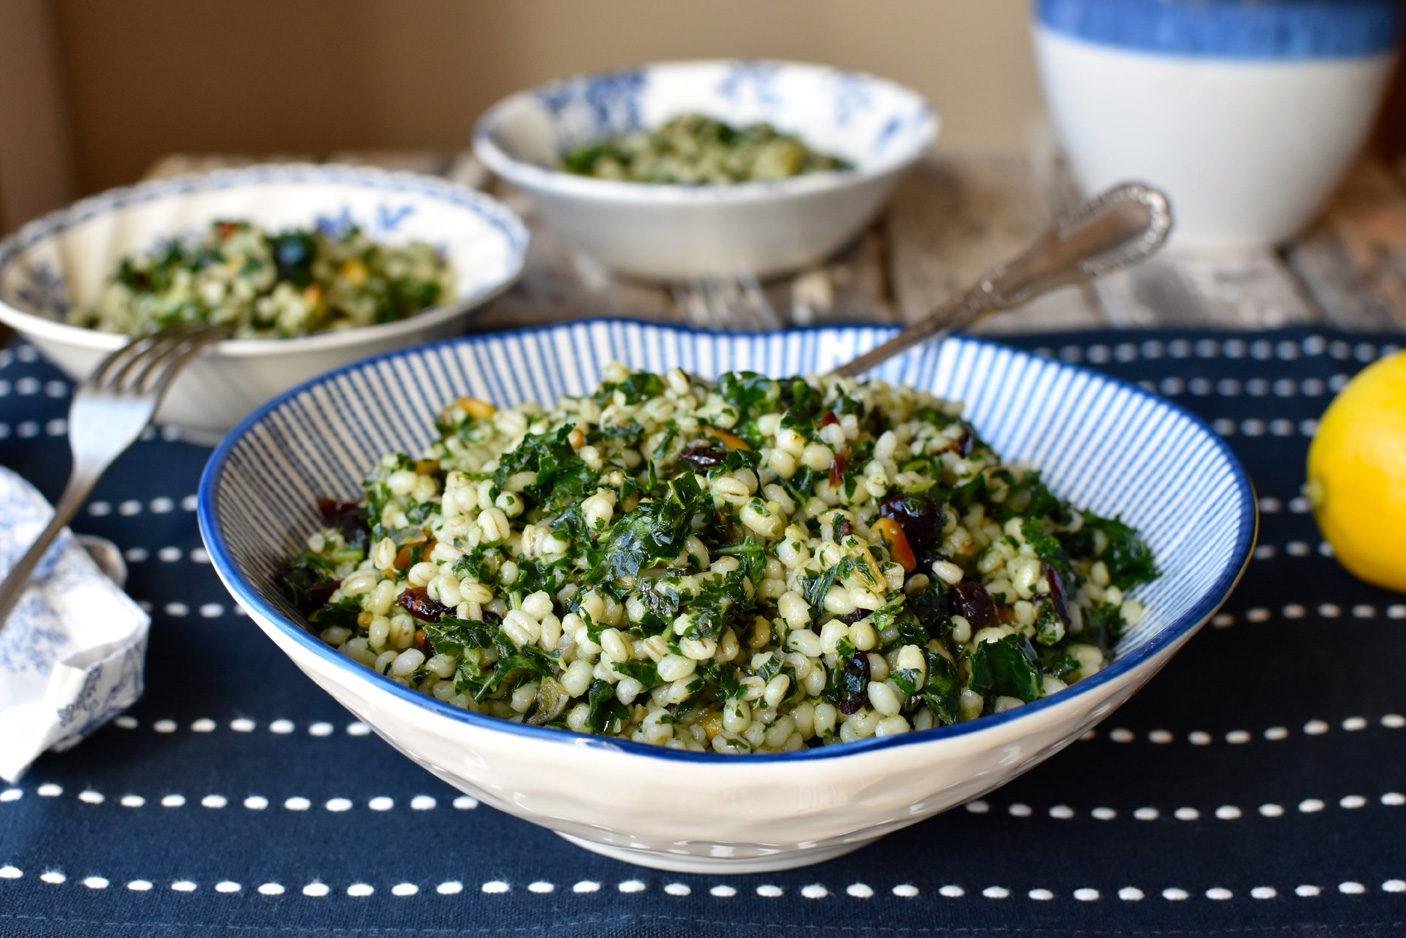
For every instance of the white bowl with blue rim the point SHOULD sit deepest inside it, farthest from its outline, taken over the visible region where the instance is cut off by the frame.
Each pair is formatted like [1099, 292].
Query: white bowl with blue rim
[673, 232]
[1245, 112]
[1103, 444]
[63, 260]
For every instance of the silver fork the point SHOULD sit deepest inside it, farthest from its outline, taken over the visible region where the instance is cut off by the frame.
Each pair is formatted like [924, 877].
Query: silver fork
[110, 409]
[731, 303]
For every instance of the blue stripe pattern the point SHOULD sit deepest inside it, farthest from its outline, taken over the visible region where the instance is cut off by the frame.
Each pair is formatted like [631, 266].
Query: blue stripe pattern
[1102, 444]
[1231, 29]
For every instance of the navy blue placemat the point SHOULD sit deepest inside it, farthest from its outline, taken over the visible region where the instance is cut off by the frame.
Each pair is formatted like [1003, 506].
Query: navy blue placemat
[1255, 786]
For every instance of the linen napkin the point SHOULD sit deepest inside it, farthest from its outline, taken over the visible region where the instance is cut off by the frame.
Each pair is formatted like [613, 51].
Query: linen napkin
[73, 648]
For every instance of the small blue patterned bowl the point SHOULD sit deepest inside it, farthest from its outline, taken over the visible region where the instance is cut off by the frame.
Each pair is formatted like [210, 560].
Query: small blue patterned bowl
[669, 232]
[63, 260]
[1103, 444]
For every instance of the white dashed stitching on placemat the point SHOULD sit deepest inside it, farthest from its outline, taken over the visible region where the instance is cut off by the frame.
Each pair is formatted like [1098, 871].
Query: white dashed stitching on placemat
[1226, 812]
[215, 801]
[280, 726]
[1239, 737]
[1260, 350]
[814, 892]
[1258, 614]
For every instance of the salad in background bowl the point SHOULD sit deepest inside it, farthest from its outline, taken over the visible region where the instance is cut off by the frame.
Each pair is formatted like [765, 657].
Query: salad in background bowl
[58, 266]
[672, 231]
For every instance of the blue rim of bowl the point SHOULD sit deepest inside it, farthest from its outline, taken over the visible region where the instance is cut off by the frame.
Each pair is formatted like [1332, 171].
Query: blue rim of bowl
[534, 177]
[493, 212]
[1209, 601]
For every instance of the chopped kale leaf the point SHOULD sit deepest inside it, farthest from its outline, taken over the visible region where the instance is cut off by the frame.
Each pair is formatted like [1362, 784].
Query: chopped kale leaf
[750, 553]
[607, 713]
[942, 690]
[343, 613]
[653, 531]
[747, 391]
[1127, 557]
[1103, 626]
[1048, 548]
[451, 636]
[637, 388]
[1006, 667]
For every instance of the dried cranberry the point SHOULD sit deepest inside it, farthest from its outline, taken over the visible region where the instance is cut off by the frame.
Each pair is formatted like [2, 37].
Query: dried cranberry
[347, 517]
[929, 557]
[703, 457]
[851, 683]
[837, 468]
[1058, 595]
[330, 507]
[302, 586]
[968, 441]
[416, 601]
[971, 601]
[920, 517]
[843, 528]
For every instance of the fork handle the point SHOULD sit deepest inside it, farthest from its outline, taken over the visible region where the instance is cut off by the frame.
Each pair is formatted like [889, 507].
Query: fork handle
[80, 483]
[1121, 226]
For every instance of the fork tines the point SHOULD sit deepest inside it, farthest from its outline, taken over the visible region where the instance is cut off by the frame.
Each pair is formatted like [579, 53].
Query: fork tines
[147, 363]
[728, 303]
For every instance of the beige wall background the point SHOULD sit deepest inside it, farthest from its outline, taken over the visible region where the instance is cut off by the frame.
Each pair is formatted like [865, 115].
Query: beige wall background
[147, 77]
[37, 172]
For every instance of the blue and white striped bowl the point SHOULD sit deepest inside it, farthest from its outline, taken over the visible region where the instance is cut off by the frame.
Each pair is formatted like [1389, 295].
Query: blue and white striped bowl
[668, 232]
[1103, 444]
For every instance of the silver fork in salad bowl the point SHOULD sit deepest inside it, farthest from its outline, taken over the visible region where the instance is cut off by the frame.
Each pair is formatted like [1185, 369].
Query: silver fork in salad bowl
[110, 409]
[1122, 226]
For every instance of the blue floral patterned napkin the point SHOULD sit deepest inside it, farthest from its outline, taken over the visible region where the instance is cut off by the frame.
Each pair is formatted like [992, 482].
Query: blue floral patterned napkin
[71, 654]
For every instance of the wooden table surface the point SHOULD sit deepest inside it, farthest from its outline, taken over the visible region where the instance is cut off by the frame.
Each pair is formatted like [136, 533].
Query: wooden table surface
[955, 216]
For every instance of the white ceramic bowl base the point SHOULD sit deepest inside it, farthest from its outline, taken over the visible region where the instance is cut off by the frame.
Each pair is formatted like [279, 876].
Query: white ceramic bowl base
[63, 260]
[670, 232]
[1110, 447]
[1247, 150]
[690, 240]
[765, 815]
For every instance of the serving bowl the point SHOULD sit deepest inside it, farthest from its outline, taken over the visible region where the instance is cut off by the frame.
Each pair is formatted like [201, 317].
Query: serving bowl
[672, 232]
[1247, 114]
[62, 260]
[1105, 445]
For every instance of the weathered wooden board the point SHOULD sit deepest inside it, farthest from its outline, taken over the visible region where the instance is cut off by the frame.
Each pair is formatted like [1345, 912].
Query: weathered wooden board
[178, 164]
[954, 218]
[428, 162]
[1353, 261]
[1252, 291]
[1248, 290]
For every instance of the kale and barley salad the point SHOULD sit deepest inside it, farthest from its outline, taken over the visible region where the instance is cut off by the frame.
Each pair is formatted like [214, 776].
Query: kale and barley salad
[695, 150]
[266, 285]
[756, 566]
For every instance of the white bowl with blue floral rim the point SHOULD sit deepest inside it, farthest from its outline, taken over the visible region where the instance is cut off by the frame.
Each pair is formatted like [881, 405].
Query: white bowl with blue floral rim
[63, 260]
[673, 232]
[1103, 444]
[1245, 112]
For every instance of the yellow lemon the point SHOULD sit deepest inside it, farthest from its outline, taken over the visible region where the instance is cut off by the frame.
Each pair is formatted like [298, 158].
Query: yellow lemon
[1357, 474]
